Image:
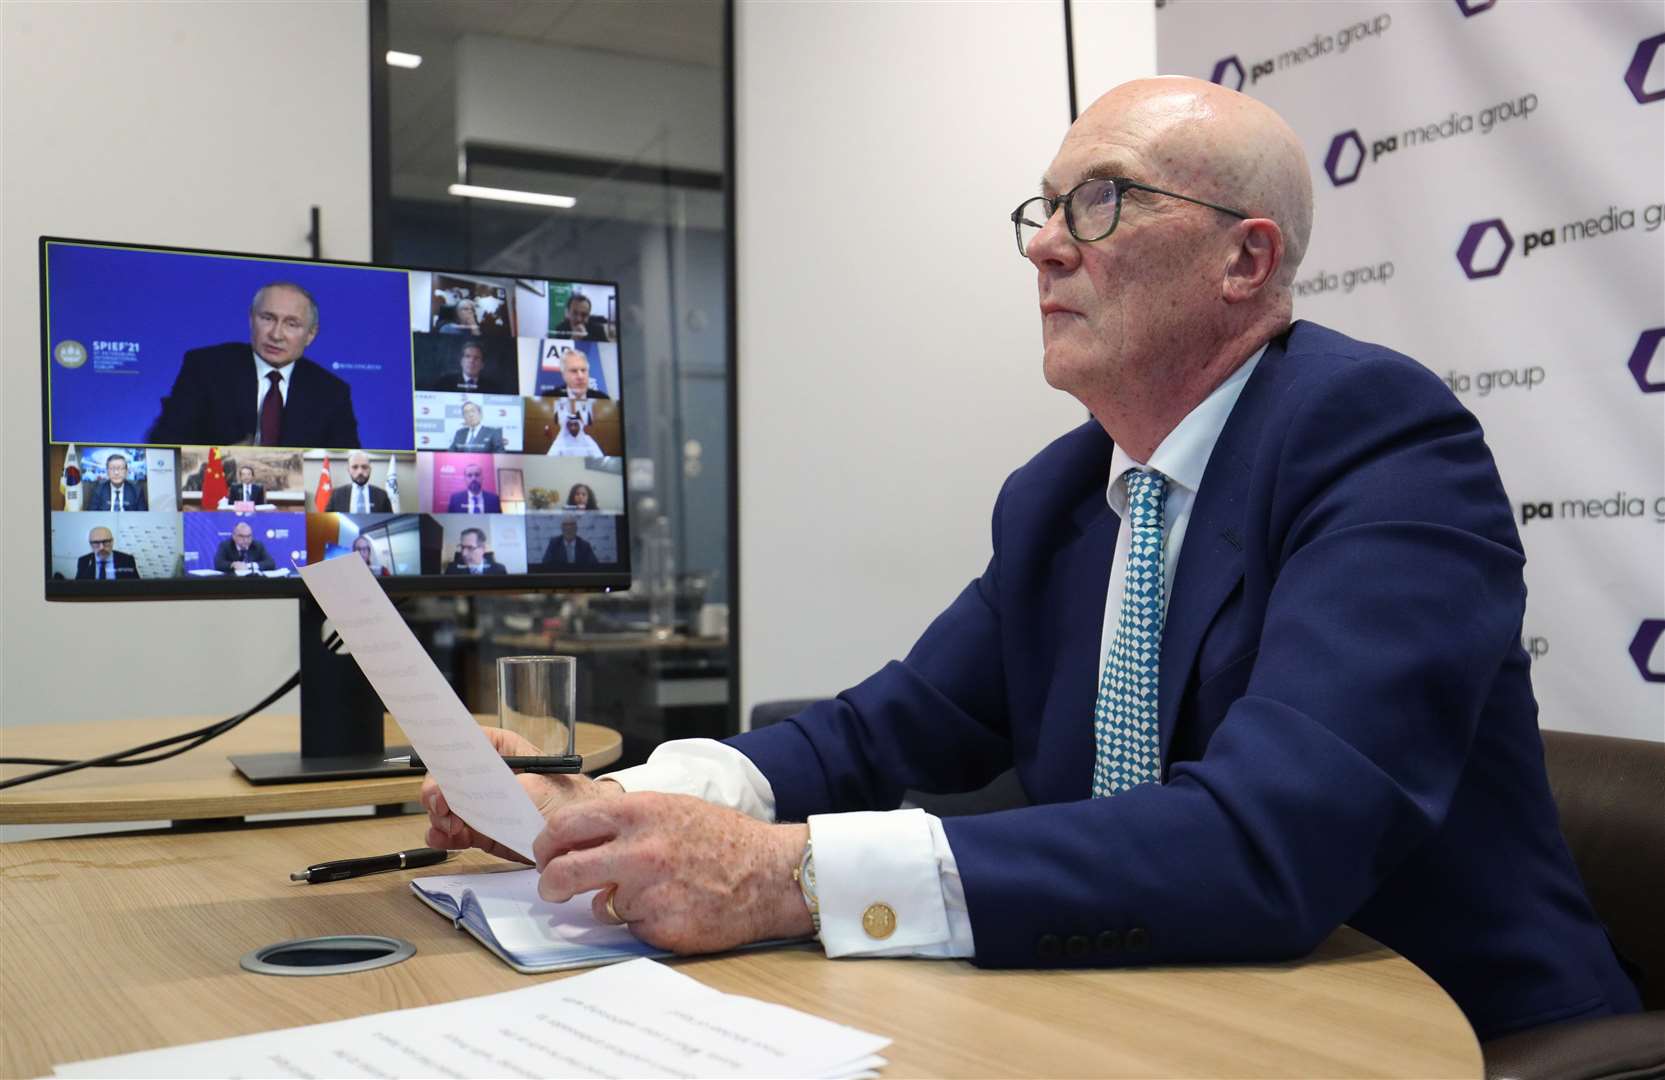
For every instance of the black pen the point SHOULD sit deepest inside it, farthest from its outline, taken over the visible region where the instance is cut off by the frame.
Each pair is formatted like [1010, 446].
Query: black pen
[542, 766]
[341, 869]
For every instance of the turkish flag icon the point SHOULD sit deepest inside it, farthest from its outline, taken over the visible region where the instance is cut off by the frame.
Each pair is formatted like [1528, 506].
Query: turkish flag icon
[322, 500]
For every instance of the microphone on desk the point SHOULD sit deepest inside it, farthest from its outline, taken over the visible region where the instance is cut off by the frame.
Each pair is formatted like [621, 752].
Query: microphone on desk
[341, 869]
[540, 766]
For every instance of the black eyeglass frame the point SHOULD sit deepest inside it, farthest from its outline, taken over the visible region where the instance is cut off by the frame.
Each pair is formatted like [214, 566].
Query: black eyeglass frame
[1121, 185]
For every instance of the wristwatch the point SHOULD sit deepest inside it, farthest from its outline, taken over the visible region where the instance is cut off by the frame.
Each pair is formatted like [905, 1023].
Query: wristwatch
[804, 875]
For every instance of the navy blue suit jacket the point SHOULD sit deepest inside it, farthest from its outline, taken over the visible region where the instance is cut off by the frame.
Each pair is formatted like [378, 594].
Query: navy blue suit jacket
[555, 555]
[459, 502]
[86, 567]
[213, 403]
[1347, 723]
[133, 496]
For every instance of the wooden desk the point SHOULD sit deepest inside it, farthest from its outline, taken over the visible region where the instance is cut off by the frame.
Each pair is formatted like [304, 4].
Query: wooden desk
[200, 783]
[120, 943]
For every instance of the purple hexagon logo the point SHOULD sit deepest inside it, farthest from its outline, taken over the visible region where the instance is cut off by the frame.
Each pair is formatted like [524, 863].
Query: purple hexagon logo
[1642, 361]
[1637, 74]
[1228, 73]
[1474, 7]
[1481, 255]
[1642, 648]
[1345, 160]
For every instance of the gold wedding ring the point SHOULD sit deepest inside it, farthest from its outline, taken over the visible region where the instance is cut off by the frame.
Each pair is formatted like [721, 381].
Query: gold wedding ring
[613, 912]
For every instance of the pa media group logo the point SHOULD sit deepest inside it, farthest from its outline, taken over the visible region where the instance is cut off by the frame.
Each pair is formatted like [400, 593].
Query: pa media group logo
[1643, 647]
[1228, 72]
[1641, 64]
[1647, 361]
[1485, 249]
[1345, 159]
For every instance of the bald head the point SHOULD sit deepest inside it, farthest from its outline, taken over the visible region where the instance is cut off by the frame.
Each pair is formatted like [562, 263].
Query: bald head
[1143, 321]
[1197, 137]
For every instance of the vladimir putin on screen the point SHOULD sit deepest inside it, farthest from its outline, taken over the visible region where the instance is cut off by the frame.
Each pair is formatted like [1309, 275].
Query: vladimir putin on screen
[265, 393]
[104, 562]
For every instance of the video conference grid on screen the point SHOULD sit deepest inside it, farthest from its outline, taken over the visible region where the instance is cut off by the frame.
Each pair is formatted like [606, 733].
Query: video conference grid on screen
[269, 413]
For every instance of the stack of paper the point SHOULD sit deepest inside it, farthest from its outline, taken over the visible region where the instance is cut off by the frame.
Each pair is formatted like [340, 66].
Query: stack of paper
[531, 935]
[634, 1019]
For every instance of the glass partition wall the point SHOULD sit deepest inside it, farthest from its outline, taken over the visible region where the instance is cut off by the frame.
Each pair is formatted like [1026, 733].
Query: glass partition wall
[589, 139]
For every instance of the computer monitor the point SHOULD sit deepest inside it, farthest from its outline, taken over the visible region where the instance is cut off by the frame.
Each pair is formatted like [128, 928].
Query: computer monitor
[213, 421]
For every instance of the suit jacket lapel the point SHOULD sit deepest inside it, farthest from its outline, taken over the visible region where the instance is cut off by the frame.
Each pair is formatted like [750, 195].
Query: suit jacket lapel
[1211, 563]
[1080, 581]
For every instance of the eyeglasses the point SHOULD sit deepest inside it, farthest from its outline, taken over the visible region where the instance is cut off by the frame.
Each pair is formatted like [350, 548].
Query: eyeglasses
[1092, 209]
[102, 543]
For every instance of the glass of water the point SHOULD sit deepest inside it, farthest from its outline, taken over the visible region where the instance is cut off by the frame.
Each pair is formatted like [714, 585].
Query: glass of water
[537, 698]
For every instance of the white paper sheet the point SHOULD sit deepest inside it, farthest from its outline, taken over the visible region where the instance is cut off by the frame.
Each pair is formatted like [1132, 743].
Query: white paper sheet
[480, 788]
[634, 1019]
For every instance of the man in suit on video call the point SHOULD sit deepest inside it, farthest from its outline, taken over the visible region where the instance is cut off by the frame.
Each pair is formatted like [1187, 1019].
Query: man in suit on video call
[266, 392]
[115, 492]
[104, 562]
[474, 499]
[569, 551]
[359, 495]
[245, 489]
[472, 373]
[579, 323]
[473, 436]
[1250, 638]
[575, 378]
[471, 555]
[242, 553]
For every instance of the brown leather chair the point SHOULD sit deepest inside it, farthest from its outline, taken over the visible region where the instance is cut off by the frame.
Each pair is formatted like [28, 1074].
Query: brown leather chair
[1611, 794]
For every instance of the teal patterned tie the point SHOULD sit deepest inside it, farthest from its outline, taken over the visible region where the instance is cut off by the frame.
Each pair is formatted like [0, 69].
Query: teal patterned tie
[1124, 719]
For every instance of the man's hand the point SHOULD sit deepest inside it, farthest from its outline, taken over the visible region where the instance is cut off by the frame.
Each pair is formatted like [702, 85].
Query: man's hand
[687, 875]
[549, 793]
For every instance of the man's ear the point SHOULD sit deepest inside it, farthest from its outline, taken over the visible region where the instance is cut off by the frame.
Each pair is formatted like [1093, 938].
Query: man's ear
[1255, 261]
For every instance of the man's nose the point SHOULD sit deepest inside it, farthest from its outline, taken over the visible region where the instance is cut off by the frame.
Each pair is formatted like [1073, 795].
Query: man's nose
[1052, 247]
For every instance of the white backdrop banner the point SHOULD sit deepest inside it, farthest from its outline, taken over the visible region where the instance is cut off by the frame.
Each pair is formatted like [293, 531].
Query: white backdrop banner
[1490, 187]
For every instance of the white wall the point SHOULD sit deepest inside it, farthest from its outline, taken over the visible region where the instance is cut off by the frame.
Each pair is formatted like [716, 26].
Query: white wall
[216, 125]
[1115, 40]
[889, 343]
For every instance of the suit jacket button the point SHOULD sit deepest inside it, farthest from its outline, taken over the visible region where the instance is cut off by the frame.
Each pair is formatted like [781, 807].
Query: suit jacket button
[1077, 946]
[1048, 947]
[1138, 939]
[1109, 942]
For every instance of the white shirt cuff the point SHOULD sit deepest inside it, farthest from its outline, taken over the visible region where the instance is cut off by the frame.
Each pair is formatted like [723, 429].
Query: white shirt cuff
[898, 858]
[705, 769]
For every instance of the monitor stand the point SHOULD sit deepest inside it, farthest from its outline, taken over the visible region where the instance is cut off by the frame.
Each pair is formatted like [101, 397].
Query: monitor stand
[341, 719]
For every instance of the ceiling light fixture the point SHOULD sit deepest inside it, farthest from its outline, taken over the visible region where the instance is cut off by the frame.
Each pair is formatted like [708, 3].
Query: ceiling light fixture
[396, 58]
[475, 191]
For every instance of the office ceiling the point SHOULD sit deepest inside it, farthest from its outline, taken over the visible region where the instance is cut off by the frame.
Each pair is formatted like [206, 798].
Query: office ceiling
[422, 101]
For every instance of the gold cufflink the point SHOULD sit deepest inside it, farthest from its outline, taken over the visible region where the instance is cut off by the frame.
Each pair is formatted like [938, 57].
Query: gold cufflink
[879, 920]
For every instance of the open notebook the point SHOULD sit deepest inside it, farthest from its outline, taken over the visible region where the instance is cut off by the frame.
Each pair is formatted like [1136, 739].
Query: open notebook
[504, 912]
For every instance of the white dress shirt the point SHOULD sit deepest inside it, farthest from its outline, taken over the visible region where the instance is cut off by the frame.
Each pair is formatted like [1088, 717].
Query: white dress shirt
[907, 850]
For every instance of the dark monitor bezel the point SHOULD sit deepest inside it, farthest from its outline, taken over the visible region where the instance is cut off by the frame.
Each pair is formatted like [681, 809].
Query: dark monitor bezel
[289, 588]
